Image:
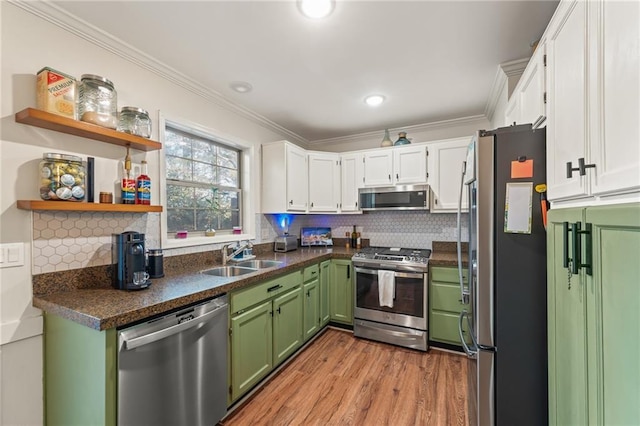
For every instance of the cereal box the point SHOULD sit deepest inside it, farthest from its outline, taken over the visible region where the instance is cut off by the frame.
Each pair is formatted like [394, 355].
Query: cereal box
[56, 92]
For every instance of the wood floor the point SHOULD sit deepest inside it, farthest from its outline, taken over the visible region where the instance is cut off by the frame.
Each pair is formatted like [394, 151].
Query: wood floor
[343, 380]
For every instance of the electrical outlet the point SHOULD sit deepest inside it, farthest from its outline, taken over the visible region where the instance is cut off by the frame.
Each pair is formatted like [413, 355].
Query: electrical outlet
[11, 255]
[264, 234]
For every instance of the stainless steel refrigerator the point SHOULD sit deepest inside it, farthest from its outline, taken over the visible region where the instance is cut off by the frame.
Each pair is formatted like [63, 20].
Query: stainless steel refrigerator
[506, 314]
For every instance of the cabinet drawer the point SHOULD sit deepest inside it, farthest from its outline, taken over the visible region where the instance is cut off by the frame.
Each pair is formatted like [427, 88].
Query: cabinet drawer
[447, 274]
[247, 297]
[311, 272]
[443, 327]
[445, 297]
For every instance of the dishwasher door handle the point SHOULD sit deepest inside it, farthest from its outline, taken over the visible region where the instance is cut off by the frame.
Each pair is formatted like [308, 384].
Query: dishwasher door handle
[170, 331]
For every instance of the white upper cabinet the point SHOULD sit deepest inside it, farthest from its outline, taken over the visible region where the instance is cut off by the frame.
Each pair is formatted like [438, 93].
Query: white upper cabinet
[445, 177]
[284, 178]
[566, 124]
[410, 164]
[593, 75]
[531, 90]
[352, 178]
[402, 165]
[378, 167]
[324, 182]
[512, 112]
[615, 92]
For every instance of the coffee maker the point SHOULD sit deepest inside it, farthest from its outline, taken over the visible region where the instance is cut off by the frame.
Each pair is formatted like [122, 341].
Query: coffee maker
[128, 258]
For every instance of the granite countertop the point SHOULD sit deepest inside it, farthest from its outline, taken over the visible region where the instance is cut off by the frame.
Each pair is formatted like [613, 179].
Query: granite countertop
[105, 307]
[445, 253]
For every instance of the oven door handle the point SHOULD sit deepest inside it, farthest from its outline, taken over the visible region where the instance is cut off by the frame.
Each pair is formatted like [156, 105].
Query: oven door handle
[397, 274]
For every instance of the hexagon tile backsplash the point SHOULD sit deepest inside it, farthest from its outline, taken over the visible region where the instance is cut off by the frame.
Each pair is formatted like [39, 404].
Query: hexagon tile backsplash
[71, 240]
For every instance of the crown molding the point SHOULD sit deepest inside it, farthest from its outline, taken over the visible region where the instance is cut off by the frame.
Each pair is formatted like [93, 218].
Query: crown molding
[514, 68]
[455, 122]
[59, 17]
[499, 82]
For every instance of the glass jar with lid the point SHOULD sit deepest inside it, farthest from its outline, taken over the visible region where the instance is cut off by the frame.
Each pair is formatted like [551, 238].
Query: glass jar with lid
[135, 121]
[61, 177]
[97, 101]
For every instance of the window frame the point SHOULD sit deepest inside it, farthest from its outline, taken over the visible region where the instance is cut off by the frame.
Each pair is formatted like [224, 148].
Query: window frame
[247, 208]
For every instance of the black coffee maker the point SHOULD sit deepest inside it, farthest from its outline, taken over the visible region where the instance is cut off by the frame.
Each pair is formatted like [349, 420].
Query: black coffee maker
[128, 258]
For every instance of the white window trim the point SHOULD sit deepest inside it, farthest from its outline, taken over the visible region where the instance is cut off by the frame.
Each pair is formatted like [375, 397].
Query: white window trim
[248, 179]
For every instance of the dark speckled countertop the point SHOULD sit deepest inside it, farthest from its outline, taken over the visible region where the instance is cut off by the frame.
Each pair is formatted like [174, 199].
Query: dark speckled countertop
[445, 253]
[102, 307]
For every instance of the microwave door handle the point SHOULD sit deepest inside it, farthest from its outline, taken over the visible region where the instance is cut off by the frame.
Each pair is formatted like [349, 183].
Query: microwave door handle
[464, 293]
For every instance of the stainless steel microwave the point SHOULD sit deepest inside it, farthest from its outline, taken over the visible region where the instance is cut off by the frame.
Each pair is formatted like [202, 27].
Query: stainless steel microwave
[401, 197]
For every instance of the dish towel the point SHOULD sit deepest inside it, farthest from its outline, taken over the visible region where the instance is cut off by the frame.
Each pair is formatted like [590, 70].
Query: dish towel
[386, 287]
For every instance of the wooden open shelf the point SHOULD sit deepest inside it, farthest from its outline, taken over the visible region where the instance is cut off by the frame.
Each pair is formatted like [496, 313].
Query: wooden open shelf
[46, 120]
[86, 207]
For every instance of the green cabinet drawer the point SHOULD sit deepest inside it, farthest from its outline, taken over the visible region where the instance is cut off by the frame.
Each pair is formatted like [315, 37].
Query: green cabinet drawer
[311, 272]
[448, 274]
[445, 297]
[247, 297]
[443, 327]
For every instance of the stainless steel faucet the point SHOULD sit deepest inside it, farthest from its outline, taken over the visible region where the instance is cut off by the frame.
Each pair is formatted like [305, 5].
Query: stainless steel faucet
[225, 251]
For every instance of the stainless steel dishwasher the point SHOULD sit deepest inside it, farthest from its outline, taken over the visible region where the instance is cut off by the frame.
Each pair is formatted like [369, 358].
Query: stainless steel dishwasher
[172, 370]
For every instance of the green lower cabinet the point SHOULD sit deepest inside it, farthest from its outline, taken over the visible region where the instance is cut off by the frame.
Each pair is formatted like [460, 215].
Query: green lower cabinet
[325, 278]
[311, 294]
[266, 326]
[80, 373]
[252, 347]
[287, 324]
[445, 305]
[594, 337]
[341, 291]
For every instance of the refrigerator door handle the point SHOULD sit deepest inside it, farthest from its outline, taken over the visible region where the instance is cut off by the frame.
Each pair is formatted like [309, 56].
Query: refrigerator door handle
[470, 353]
[464, 293]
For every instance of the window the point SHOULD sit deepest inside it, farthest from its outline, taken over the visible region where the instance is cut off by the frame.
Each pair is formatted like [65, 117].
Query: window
[203, 188]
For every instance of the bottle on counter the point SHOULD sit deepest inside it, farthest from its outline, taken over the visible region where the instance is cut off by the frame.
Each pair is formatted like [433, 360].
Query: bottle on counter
[348, 235]
[143, 186]
[128, 183]
[354, 237]
[358, 241]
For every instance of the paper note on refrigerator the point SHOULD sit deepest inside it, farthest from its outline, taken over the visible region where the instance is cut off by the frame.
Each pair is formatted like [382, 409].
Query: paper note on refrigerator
[517, 208]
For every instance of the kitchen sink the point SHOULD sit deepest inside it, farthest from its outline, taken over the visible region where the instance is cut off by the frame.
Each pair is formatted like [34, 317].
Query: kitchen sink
[259, 263]
[228, 271]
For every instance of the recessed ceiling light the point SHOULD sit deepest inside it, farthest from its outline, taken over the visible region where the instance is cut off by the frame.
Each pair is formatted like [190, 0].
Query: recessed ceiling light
[316, 9]
[374, 100]
[241, 86]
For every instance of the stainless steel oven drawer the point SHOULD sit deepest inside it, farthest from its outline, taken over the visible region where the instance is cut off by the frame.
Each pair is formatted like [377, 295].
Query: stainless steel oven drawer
[400, 336]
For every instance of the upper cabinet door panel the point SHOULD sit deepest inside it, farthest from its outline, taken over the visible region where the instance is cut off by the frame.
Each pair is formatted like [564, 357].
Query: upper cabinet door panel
[566, 124]
[352, 178]
[324, 182]
[378, 167]
[615, 136]
[532, 107]
[297, 178]
[410, 164]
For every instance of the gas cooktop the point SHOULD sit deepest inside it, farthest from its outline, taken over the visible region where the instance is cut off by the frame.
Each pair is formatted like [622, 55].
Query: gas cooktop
[398, 256]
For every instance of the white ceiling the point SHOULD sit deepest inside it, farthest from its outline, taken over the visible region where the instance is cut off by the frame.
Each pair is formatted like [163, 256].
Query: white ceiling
[432, 60]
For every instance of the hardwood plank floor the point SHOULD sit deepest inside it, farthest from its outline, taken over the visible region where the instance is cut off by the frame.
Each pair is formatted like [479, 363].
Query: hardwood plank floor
[343, 380]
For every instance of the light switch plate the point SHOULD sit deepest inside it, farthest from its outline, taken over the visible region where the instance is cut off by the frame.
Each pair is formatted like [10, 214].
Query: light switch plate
[11, 254]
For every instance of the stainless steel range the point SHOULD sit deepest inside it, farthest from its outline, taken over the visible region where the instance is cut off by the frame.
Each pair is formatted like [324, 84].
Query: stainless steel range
[391, 296]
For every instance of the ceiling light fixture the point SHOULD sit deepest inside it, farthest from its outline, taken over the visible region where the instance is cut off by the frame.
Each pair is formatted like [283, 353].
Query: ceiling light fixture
[241, 86]
[316, 9]
[374, 100]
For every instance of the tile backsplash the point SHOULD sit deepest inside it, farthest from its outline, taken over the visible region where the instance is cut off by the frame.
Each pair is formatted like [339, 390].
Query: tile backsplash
[72, 240]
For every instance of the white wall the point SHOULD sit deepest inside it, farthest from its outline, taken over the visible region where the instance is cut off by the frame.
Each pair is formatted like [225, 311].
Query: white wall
[28, 44]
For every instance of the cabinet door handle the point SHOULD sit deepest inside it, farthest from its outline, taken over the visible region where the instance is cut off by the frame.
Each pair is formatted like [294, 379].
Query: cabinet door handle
[565, 244]
[581, 168]
[308, 293]
[575, 245]
[389, 177]
[279, 310]
[312, 204]
[274, 288]
[397, 176]
[290, 202]
[588, 249]
[348, 271]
